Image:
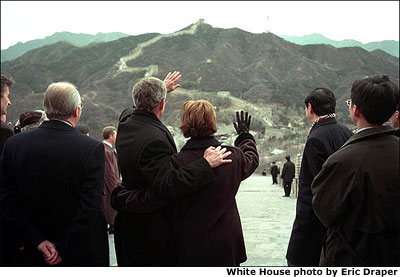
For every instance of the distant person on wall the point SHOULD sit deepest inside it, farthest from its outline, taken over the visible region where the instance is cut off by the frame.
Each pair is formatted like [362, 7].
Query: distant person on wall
[274, 173]
[111, 174]
[29, 120]
[84, 129]
[357, 192]
[264, 172]
[287, 176]
[207, 227]
[55, 198]
[325, 137]
[143, 225]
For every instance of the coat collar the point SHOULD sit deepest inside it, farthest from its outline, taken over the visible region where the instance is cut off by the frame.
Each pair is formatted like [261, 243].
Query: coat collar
[152, 119]
[148, 117]
[57, 124]
[108, 144]
[323, 122]
[369, 133]
[201, 143]
[5, 126]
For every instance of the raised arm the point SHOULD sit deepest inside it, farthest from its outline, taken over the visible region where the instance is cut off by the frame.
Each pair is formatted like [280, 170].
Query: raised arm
[171, 80]
[246, 142]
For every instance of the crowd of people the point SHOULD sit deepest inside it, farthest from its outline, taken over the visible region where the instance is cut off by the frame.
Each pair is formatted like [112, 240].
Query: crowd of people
[61, 188]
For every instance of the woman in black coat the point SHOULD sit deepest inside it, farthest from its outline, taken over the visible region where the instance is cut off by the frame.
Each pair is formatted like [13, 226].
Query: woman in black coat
[207, 227]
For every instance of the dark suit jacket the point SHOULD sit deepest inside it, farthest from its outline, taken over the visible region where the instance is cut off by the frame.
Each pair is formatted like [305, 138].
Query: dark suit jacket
[274, 170]
[207, 227]
[143, 233]
[5, 133]
[305, 243]
[8, 238]
[288, 171]
[357, 197]
[52, 178]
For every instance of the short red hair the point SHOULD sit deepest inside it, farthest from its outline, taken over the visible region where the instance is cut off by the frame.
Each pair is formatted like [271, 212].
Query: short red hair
[198, 119]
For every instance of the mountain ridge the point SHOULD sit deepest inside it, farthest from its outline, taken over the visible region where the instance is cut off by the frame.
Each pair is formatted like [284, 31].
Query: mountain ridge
[263, 70]
[83, 39]
[389, 46]
[80, 39]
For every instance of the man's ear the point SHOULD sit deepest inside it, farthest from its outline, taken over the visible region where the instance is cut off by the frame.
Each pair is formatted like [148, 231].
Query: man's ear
[356, 111]
[162, 104]
[309, 108]
[76, 112]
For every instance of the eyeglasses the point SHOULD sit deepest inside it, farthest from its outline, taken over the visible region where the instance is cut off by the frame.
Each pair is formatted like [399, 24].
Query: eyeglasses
[348, 102]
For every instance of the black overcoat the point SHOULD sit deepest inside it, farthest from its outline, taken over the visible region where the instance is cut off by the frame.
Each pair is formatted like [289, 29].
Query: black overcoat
[357, 197]
[8, 235]
[51, 187]
[207, 227]
[274, 170]
[305, 244]
[143, 225]
[288, 171]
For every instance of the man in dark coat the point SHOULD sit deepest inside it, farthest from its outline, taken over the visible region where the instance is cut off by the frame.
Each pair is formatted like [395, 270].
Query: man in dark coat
[325, 137]
[357, 192]
[274, 173]
[288, 172]
[8, 238]
[6, 131]
[143, 234]
[51, 187]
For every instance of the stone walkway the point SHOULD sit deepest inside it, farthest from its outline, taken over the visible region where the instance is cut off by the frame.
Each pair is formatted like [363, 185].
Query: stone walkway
[267, 220]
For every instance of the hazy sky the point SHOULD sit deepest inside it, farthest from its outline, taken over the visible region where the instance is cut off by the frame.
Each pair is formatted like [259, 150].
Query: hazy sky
[364, 21]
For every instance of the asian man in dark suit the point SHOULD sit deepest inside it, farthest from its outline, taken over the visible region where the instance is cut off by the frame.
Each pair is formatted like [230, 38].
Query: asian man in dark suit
[325, 137]
[51, 186]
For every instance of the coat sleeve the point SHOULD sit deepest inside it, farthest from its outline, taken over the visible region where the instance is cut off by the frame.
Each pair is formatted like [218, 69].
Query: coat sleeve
[89, 202]
[164, 182]
[331, 190]
[11, 206]
[249, 155]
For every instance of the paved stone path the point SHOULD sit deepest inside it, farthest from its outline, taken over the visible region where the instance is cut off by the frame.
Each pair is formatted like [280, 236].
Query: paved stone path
[267, 220]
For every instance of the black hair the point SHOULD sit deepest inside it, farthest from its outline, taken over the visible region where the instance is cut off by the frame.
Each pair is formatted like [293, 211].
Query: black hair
[5, 82]
[287, 158]
[84, 129]
[375, 97]
[322, 101]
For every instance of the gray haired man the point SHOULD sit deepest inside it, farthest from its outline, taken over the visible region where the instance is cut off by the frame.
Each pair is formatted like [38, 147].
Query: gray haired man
[55, 200]
[150, 182]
